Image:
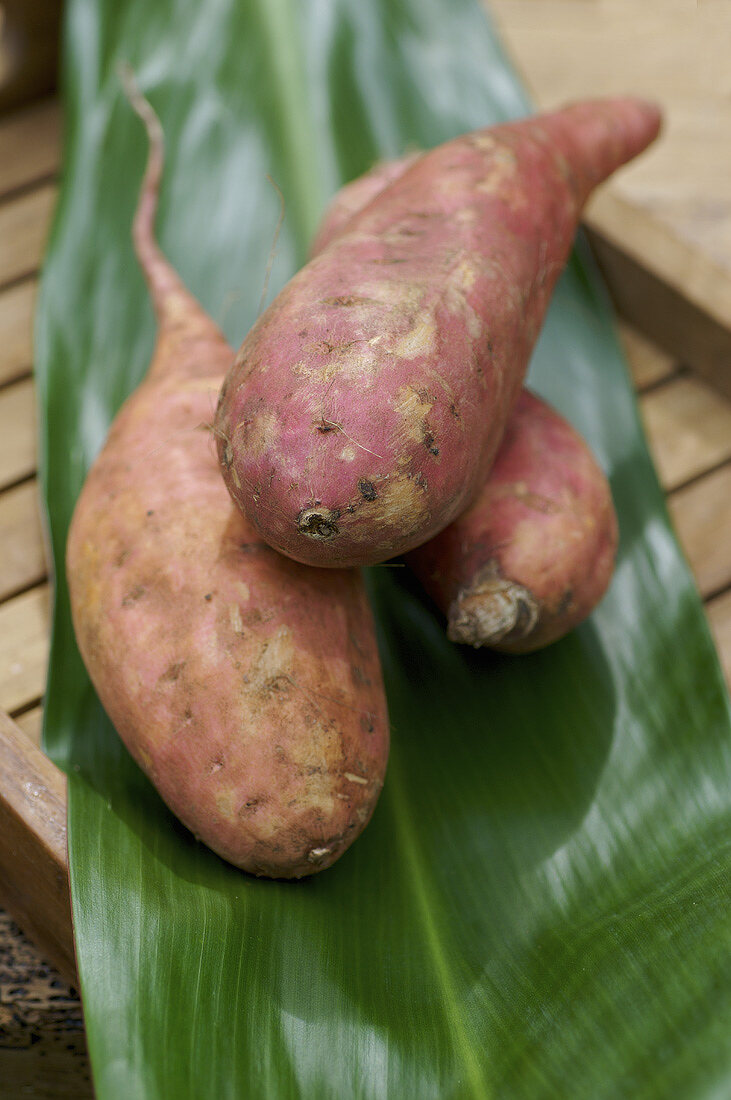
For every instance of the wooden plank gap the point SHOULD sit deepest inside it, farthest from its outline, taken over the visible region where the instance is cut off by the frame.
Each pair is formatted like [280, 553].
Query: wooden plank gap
[24, 224]
[30, 145]
[17, 305]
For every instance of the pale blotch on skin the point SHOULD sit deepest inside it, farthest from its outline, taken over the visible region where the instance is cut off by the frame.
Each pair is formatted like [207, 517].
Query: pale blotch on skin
[234, 617]
[403, 297]
[243, 590]
[401, 504]
[358, 361]
[275, 660]
[347, 454]
[466, 216]
[461, 280]
[501, 172]
[314, 762]
[353, 778]
[413, 408]
[227, 802]
[419, 340]
[486, 143]
[259, 437]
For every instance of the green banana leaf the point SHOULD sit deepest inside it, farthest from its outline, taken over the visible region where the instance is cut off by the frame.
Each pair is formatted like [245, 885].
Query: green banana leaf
[539, 907]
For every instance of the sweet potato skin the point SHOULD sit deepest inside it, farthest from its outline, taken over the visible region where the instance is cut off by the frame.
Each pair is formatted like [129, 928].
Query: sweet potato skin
[366, 406]
[246, 686]
[353, 197]
[534, 554]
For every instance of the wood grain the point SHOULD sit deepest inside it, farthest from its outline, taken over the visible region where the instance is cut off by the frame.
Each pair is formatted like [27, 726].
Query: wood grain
[18, 435]
[22, 552]
[30, 145]
[24, 631]
[702, 516]
[16, 325]
[31, 723]
[647, 362]
[24, 223]
[689, 429]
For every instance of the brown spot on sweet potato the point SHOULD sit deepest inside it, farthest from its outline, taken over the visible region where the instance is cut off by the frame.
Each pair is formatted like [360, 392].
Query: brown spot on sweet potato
[259, 435]
[413, 405]
[277, 685]
[134, 595]
[566, 602]
[367, 489]
[234, 618]
[172, 672]
[318, 523]
[346, 300]
[428, 442]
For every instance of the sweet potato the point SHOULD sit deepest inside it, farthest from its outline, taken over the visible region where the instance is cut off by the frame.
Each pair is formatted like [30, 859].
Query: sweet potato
[534, 553]
[246, 686]
[366, 406]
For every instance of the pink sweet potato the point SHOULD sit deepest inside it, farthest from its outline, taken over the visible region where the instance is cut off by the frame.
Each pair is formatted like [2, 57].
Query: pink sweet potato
[366, 406]
[246, 686]
[534, 553]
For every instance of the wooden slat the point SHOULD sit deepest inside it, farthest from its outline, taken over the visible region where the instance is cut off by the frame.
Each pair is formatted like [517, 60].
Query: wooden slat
[29, 145]
[24, 630]
[24, 226]
[688, 333]
[17, 433]
[648, 363]
[702, 516]
[16, 330]
[22, 553]
[670, 211]
[31, 723]
[719, 616]
[689, 429]
[33, 856]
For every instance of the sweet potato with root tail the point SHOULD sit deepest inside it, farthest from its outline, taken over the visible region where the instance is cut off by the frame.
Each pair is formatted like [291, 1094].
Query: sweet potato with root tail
[534, 554]
[366, 406]
[247, 687]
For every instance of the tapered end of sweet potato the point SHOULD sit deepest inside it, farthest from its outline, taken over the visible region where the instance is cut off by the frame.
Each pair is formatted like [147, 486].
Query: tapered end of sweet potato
[492, 610]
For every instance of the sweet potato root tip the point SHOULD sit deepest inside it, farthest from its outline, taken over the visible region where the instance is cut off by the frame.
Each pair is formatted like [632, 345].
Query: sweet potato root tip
[492, 610]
